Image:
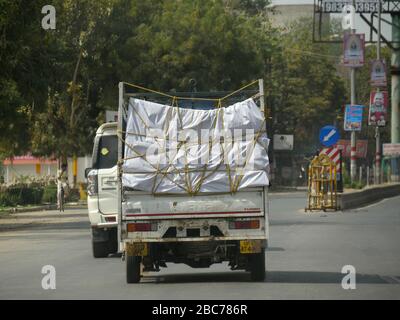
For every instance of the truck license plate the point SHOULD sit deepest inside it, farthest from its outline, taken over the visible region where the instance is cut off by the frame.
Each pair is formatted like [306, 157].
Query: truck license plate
[250, 246]
[136, 249]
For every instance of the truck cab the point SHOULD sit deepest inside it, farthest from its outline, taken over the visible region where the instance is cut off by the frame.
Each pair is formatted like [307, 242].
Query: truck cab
[102, 191]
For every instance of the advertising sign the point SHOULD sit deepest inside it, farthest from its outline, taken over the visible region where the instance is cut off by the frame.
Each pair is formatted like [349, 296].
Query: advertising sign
[391, 149]
[353, 117]
[353, 50]
[111, 116]
[361, 148]
[283, 141]
[361, 6]
[378, 104]
[378, 73]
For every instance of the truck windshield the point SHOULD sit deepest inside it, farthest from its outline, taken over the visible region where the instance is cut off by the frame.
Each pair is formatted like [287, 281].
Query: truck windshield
[107, 152]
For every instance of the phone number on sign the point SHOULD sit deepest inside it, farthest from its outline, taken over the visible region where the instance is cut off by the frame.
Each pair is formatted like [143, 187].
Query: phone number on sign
[337, 6]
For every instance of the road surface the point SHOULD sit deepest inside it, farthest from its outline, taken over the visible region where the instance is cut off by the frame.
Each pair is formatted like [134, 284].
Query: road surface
[304, 261]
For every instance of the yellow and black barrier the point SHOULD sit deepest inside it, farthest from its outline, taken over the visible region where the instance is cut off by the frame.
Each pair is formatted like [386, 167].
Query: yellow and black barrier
[322, 185]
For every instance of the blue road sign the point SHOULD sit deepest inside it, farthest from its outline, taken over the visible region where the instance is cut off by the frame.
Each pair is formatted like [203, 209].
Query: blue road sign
[329, 135]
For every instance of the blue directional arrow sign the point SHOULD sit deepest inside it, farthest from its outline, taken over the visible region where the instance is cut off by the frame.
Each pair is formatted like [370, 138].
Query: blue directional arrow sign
[329, 135]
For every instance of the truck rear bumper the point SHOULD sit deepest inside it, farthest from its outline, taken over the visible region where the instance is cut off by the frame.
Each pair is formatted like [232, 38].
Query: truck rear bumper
[198, 239]
[177, 230]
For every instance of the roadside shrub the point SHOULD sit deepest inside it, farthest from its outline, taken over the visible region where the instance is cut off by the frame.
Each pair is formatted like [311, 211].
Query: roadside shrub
[21, 195]
[73, 195]
[5, 200]
[50, 194]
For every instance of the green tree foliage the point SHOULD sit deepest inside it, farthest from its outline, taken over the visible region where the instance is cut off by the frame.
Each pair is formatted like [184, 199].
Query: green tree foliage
[22, 77]
[57, 84]
[306, 91]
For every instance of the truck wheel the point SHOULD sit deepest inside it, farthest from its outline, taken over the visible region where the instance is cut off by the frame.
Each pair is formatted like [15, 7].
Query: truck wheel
[257, 266]
[100, 249]
[133, 269]
[112, 241]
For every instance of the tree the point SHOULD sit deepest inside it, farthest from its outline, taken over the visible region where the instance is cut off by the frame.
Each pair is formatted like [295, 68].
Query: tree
[65, 126]
[306, 90]
[23, 72]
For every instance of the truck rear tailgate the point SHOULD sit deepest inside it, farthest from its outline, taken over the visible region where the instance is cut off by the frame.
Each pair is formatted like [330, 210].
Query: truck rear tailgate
[140, 205]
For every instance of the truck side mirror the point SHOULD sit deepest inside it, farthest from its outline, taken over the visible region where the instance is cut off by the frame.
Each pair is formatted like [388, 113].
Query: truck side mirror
[87, 170]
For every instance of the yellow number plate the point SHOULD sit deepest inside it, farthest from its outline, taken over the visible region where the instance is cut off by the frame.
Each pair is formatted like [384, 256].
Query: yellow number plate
[250, 246]
[136, 249]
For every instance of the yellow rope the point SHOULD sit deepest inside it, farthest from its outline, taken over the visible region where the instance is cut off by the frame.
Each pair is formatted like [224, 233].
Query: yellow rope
[174, 98]
[238, 90]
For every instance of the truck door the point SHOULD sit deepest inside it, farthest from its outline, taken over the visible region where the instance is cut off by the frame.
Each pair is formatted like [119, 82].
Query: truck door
[107, 156]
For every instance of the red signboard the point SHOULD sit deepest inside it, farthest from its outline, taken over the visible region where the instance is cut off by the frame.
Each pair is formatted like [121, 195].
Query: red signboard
[378, 108]
[361, 148]
[28, 159]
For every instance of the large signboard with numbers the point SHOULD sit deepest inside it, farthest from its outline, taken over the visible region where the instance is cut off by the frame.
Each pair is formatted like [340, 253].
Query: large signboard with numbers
[361, 6]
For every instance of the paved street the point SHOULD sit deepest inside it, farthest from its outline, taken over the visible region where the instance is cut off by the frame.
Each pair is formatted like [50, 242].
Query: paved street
[304, 260]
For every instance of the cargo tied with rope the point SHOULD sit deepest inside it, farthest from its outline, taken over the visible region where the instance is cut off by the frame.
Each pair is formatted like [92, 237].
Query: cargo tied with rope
[169, 149]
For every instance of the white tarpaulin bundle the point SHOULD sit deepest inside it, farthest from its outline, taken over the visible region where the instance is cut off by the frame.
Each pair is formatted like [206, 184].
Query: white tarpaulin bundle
[175, 150]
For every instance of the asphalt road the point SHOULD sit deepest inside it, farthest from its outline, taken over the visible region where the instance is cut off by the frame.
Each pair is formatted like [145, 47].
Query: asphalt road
[304, 260]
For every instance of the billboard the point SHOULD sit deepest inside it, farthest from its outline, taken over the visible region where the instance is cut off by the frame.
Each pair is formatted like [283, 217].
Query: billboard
[111, 116]
[345, 146]
[378, 73]
[283, 141]
[336, 6]
[391, 149]
[378, 104]
[353, 117]
[353, 50]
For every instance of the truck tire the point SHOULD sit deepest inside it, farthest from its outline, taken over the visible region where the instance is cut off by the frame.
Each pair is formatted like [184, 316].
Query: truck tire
[257, 266]
[133, 269]
[100, 249]
[112, 241]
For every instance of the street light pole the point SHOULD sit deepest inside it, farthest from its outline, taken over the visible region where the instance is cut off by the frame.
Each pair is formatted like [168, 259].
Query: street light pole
[353, 154]
[395, 72]
[377, 133]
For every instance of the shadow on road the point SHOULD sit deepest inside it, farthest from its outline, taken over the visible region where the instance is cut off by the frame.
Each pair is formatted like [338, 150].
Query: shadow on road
[306, 277]
[45, 226]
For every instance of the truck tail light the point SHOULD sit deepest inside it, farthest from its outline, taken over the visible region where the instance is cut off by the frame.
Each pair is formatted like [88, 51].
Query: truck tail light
[93, 185]
[244, 224]
[141, 227]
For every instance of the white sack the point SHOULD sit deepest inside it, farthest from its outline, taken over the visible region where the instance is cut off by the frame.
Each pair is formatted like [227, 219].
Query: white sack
[156, 154]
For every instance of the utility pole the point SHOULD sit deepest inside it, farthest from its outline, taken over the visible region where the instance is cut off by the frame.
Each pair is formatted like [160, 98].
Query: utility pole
[353, 154]
[377, 133]
[395, 96]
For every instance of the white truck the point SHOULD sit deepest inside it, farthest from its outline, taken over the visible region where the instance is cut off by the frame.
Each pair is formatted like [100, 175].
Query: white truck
[197, 229]
[102, 191]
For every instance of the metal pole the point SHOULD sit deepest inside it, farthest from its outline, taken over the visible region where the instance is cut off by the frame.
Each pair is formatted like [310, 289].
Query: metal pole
[121, 96]
[377, 133]
[395, 71]
[353, 155]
